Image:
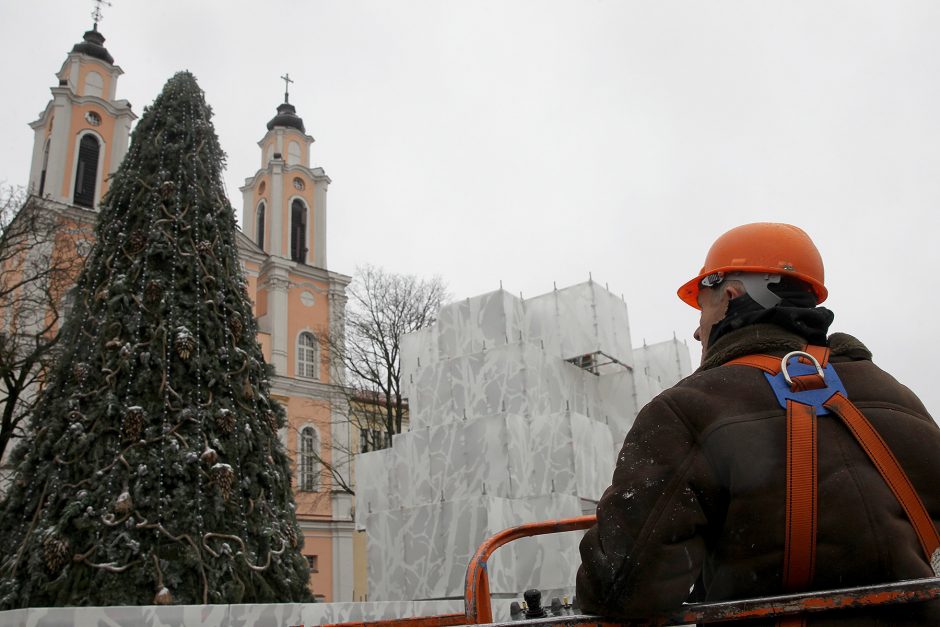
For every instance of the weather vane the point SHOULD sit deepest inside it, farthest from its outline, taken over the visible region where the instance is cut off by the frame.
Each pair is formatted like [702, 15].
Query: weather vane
[96, 14]
[287, 81]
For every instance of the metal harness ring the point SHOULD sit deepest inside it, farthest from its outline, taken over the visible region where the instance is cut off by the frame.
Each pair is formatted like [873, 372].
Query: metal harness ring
[788, 356]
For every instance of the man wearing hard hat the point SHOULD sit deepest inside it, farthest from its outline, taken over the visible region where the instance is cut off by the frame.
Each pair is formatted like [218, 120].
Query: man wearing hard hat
[787, 462]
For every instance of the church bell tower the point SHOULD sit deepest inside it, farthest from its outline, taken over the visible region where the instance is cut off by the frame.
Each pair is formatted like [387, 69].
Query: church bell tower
[82, 134]
[285, 201]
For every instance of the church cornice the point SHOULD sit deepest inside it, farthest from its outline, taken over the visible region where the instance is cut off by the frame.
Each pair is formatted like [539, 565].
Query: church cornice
[317, 175]
[67, 210]
[117, 108]
[286, 131]
[300, 271]
[305, 388]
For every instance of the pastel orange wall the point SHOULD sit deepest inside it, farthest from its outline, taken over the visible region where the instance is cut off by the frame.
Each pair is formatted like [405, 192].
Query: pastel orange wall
[300, 412]
[320, 543]
[303, 318]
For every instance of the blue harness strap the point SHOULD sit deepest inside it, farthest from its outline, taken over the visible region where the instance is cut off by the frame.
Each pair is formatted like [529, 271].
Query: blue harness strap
[815, 397]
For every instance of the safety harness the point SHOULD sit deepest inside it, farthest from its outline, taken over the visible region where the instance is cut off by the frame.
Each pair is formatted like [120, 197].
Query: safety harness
[810, 387]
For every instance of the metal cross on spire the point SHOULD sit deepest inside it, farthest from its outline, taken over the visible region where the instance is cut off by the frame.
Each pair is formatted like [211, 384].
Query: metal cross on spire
[287, 81]
[96, 14]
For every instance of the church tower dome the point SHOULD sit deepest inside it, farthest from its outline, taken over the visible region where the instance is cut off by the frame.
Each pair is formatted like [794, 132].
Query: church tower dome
[92, 44]
[287, 117]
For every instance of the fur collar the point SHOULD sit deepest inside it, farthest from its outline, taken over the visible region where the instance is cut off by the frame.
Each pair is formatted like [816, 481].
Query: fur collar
[769, 338]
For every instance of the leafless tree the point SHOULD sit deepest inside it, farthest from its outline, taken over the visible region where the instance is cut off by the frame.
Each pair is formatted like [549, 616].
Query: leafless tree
[382, 307]
[40, 256]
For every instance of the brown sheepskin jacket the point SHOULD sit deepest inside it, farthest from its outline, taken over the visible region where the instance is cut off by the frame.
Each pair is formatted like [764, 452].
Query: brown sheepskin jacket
[699, 489]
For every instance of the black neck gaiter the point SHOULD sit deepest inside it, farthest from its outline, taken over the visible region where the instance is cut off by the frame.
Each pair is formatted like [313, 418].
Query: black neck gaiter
[797, 312]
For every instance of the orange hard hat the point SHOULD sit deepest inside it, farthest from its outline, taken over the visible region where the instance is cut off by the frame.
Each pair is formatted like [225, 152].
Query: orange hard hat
[762, 247]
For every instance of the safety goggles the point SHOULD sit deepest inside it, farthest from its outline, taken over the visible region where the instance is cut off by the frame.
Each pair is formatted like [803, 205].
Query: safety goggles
[713, 279]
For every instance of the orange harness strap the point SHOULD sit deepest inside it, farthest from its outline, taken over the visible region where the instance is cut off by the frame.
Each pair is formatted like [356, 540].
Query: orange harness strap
[887, 464]
[800, 547]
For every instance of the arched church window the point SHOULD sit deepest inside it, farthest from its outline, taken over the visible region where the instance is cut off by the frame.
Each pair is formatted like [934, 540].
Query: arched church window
[293, 153]
[45, 166]
[308, 356]
[94, 84]
[260, 222]
[86, 171]
[298, 231]
[309, 450]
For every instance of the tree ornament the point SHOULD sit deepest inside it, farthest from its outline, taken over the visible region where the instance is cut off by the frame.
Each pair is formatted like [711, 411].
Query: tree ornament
[124, 503]
[55, 552]
[225, 420]
[204, 247]
[224, 478]
[163, 597]
[133, 422]
[184, 342]
[209, 456]
[248, 391]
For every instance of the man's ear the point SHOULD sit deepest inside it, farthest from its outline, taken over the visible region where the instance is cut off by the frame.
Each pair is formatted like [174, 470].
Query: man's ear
[734, 290]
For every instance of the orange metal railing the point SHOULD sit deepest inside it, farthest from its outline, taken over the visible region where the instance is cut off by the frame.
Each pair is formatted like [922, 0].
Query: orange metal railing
[477, 608]
[477, 590]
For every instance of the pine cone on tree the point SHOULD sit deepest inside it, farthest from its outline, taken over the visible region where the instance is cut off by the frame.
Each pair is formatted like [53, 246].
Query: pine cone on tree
[291, 534]
[81, 371]
[225, 420]
[224, 478]
[133, 423]
[236, 326]
[204, 247]
[184, 342]
[167, 189]
[136, 242]
[153, 292]
[271, 417]
[55, 551]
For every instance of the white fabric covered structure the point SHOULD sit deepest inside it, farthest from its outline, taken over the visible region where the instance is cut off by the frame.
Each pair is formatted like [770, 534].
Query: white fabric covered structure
[517, 410]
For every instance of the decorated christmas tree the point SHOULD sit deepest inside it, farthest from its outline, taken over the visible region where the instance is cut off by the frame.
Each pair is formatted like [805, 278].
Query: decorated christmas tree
[154, 473]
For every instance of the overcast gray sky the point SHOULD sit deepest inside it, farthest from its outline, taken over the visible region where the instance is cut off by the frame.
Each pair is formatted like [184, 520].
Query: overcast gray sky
[537, 141]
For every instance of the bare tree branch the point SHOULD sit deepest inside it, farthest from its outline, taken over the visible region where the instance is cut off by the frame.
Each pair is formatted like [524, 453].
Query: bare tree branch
[40, 257]
[365, 360]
